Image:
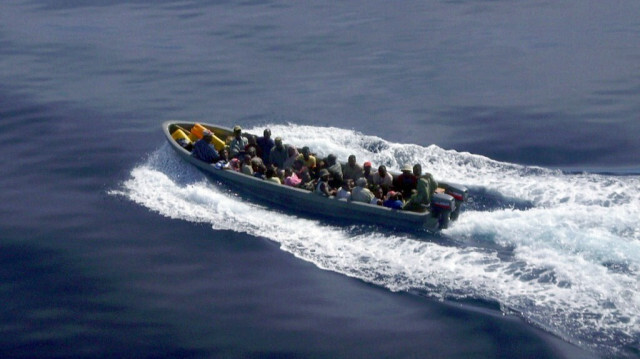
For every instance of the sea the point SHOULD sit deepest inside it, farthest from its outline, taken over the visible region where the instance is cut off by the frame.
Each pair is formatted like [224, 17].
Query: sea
[112, 246]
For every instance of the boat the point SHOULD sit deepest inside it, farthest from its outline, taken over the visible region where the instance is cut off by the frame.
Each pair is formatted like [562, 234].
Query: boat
[445, 205]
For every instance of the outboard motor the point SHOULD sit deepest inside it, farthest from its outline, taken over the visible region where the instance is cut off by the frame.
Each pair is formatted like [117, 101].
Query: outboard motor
[442, 205]
[460, 194]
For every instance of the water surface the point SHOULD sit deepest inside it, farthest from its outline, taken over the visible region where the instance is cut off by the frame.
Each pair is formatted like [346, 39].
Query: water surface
[111, 246]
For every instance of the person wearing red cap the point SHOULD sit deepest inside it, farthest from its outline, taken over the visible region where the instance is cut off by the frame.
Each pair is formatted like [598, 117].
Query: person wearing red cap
[366, 172]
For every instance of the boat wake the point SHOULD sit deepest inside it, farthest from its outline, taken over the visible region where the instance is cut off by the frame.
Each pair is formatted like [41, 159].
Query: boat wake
[562, 250]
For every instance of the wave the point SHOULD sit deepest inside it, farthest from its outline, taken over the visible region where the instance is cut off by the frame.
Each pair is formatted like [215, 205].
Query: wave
[561, 249]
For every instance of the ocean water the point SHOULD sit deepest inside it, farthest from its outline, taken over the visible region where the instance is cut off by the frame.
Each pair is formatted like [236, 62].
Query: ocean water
[111, 246]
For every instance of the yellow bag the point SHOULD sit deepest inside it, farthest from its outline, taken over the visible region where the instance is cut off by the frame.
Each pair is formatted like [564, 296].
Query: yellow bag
[179, 134]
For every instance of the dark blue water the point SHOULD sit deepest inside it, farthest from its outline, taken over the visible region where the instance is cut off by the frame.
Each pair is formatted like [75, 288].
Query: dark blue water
[110, 246]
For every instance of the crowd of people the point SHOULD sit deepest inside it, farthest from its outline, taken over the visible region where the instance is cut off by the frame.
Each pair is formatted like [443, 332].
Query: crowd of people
[272, 160]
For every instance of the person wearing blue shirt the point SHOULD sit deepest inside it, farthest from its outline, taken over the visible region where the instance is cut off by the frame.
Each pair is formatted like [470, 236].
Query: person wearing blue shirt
[204, 150]
[394, 200]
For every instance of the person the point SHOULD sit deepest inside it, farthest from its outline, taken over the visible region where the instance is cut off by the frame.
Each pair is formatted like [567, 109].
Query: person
[383, 178]
[235, 164]
[270, 175]
[335, 170]
[255, 160]
[421, 197]
[433, 184]
[238, 143]
[292, 156]
[394, 200]
[303, 174]
[308, 159]
[224, 155]
[366, 172]
[344, 193]
[360, 192]
[321, 164]
[252, 144]
[407, 181]
[204, 149]
[322, 188]
[290, 178]
[352, 170]
[259, 171]
[378, 196]
[278, 154]
[265, 143]
[246, 167]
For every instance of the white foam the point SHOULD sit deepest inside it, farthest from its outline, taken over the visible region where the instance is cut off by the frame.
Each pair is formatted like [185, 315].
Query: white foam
[570, 263]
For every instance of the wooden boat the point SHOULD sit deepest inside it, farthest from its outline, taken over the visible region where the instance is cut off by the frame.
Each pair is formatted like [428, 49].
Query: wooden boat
[444, 206]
